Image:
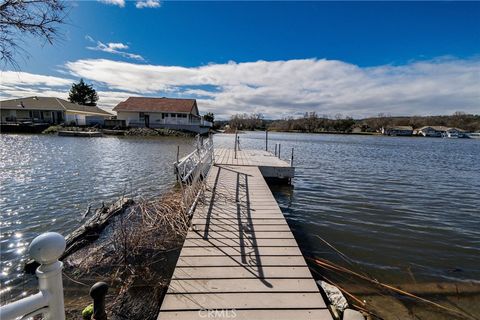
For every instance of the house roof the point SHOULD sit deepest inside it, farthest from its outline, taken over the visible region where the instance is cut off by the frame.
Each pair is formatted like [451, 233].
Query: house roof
[400, 128]
[50, 104]
[439, 128]
[157, 105]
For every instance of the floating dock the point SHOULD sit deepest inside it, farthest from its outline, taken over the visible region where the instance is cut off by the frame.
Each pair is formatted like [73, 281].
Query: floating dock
[80, 134]
[240, 260]
[269, 165]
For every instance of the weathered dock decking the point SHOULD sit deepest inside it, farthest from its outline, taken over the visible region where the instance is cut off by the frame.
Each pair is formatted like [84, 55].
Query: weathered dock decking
[240, 259]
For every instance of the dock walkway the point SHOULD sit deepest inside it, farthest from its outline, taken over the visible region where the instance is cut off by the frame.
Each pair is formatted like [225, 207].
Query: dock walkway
[240, 259]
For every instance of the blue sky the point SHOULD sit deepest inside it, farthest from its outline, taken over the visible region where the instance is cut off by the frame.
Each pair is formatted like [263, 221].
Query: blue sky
[277, 58]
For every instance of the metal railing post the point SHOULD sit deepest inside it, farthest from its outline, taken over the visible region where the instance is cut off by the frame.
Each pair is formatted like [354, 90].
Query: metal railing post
[98, 292]
[279, 146]
[275, 149]
[266, 140]
[45, 249]
[291, 159]
[176, 163]
[236, 141]
[212, 153]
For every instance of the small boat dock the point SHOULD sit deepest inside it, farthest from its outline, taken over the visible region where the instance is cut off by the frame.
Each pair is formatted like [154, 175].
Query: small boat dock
[240, 260]
[88, 134]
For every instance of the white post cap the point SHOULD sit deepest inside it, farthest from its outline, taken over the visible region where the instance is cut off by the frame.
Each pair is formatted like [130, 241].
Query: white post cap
[47, 247]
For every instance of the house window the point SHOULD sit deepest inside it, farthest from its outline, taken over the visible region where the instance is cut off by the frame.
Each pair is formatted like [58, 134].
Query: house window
[172, 115]
[163, 115]
[142, 116]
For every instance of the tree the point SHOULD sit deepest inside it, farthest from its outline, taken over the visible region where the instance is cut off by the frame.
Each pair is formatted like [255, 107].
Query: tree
[209, 117]
[21, 18]
[83, 94]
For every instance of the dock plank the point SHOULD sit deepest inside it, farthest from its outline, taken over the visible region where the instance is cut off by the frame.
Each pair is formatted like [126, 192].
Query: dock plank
[242, 272]
[243, 300]
[201, 227]
[239, 260]
[212, 242]
[229, 251]
[283, 314]
[233, 234]
[246, 285]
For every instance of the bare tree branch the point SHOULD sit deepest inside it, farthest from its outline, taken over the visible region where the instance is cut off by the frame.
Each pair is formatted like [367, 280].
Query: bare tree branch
[37, 18]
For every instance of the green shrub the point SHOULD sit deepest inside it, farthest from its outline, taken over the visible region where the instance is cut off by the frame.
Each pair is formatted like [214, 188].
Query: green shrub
[87, 313]
[52, 129]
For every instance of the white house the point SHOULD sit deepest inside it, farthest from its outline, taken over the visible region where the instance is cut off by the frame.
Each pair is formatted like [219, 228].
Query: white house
[179, 114]
[437, 131]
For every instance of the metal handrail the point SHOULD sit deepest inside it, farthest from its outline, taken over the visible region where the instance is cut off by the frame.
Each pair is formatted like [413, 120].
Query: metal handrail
[189, 164]
[191, 171]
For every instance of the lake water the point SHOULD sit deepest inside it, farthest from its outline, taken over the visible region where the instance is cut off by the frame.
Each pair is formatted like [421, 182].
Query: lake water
[391, 204]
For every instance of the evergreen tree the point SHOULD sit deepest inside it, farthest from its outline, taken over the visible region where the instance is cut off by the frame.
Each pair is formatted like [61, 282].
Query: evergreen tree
[209, 117]
[83, 94]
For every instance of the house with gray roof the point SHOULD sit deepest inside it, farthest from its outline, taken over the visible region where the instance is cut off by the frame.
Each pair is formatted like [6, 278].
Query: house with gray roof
[50, 110]
[398, 131]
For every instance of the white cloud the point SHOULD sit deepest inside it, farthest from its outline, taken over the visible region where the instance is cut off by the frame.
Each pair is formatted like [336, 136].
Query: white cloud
[114, 48]
[140, 4]
[280, 88]
[120, 3]
[148, 4]
[23, 84]
[25, 78]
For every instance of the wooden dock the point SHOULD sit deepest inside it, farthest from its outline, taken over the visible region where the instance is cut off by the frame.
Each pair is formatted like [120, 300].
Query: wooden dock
[240, 259]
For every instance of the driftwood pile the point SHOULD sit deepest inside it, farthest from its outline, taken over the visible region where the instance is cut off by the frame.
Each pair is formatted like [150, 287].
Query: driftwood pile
[89, 231]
